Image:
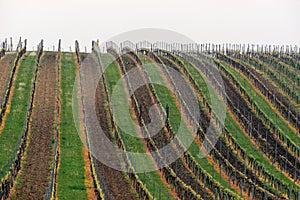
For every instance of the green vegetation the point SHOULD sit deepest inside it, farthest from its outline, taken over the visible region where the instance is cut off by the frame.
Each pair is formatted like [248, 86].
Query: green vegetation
[71, 170]
[14, 123]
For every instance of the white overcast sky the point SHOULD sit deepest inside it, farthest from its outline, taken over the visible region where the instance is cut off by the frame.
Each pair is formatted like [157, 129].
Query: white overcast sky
[217, 21]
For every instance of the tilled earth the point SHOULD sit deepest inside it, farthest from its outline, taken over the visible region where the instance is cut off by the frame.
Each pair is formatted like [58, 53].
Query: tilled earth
[35, 171]
[117, 185]
[6, 65]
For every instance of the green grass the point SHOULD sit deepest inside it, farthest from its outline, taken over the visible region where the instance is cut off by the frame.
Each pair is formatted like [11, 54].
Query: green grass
[284, 73]
[135, 144]
[14, 123]
[262, 104]
[281, 88]
[71, 170]
[205, 87]
[166, 97]
[113, 76]
[245, 142]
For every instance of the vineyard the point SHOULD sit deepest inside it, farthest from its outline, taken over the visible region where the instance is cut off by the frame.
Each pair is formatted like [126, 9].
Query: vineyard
[245, 125]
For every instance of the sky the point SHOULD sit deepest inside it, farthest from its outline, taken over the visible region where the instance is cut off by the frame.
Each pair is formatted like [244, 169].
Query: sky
[209, 21]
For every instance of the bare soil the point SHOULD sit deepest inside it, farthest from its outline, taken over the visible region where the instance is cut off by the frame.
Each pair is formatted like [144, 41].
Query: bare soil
[35, 171]
[117, 184]
[6, 65]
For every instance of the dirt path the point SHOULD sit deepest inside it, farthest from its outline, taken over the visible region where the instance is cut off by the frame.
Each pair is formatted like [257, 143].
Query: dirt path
[116, 181]
[88, 181]
[6, 64]
[35, 172]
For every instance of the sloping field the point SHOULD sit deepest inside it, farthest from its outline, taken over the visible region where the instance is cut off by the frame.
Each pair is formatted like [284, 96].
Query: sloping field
[255, 156]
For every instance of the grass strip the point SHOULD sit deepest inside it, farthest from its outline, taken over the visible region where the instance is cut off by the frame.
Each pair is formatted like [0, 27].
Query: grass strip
[71, 169]
[16, 114]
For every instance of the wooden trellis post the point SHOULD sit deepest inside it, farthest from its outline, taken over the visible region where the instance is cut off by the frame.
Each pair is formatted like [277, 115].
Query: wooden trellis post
[11, 44]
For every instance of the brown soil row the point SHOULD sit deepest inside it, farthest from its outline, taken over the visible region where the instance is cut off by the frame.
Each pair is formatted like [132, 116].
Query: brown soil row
[88, 180]
[6, 65]
[116, 182]
[35, 171]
